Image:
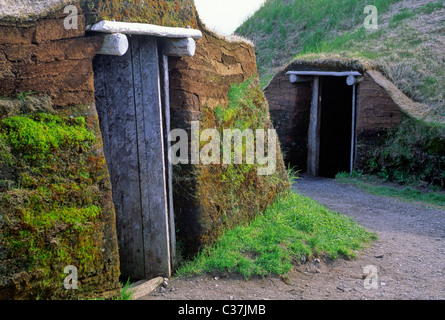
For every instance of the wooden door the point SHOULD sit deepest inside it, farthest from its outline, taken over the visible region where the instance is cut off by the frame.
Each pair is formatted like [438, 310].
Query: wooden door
[128, 102]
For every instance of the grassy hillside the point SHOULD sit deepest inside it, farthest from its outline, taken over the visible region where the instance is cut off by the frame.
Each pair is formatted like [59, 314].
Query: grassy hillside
[408, 46]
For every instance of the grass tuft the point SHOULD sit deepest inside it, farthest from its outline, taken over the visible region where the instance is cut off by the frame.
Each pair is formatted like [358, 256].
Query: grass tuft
[291, 228]
[411, 194]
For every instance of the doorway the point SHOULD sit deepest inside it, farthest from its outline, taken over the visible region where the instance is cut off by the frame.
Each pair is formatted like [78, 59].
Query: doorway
[336, 119]
[129, 106]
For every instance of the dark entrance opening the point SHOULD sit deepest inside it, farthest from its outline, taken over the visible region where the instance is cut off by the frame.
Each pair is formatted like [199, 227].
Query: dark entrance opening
[335, 126]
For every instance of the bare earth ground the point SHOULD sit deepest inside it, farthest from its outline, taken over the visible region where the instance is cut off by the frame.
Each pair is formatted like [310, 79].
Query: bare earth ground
[409, 256]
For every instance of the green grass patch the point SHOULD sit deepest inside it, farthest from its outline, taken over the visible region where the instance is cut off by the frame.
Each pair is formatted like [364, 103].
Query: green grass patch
[292, 227]
[431, 7]
[281, 29]
[402, 15]
[410, 194]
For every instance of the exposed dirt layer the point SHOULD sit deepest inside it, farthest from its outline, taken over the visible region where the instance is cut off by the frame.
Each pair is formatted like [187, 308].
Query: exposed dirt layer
[409, 256]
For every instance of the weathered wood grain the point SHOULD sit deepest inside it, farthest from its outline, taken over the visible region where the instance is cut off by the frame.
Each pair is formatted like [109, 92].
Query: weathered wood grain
[115, 104]
[184, 47]
[314, 130]
[130, 115]
[115, 44]
[143, 288]
[165, 85]
[149, 124]
[145, 29]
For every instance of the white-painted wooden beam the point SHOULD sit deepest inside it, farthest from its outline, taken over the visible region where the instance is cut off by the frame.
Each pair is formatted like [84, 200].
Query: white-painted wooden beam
[353, 80]
[115, 44]
[145, 29]
[325, 73]
[295, 79]
[185, 47]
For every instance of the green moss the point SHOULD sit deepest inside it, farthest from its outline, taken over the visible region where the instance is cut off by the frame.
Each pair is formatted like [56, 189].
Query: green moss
[412, 152]
[53, 216]
[36, 137]
[170, 13]
[232, 194]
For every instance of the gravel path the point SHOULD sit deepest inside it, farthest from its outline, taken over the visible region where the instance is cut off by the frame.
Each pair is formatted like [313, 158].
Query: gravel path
[409, 256]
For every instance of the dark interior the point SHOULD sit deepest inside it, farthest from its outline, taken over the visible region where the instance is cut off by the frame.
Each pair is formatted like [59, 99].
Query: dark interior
[335, 126]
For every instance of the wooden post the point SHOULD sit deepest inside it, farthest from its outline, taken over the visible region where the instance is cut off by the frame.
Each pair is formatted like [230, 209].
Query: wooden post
[166, 103]
[353, 80]
[314, 130]
[353, 127]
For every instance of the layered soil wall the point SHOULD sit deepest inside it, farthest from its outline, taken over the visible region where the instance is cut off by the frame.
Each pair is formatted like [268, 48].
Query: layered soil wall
[44, 57]
[56, 204]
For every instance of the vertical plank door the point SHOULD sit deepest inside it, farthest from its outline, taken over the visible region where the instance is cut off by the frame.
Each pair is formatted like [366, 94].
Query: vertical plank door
[130, 114]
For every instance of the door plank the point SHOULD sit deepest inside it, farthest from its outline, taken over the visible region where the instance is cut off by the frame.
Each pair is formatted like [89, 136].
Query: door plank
[151, 157]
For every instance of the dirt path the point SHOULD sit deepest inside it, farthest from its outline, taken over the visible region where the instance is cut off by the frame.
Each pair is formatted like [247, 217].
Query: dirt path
[409, 256]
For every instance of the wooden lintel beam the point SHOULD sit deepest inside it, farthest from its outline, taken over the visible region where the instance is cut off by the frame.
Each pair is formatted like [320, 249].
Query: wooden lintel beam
[353, 80]
[295, 78]
[115, 44]
[145, 29]
[325, 73]
[184, 47]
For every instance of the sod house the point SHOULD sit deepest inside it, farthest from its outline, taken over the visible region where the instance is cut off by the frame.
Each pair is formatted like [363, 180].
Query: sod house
[88, 93]
[330, 113]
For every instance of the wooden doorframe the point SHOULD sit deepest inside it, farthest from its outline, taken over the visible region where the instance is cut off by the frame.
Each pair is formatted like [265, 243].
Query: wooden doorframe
[313, 158]
[129, 104]
[139, 81]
